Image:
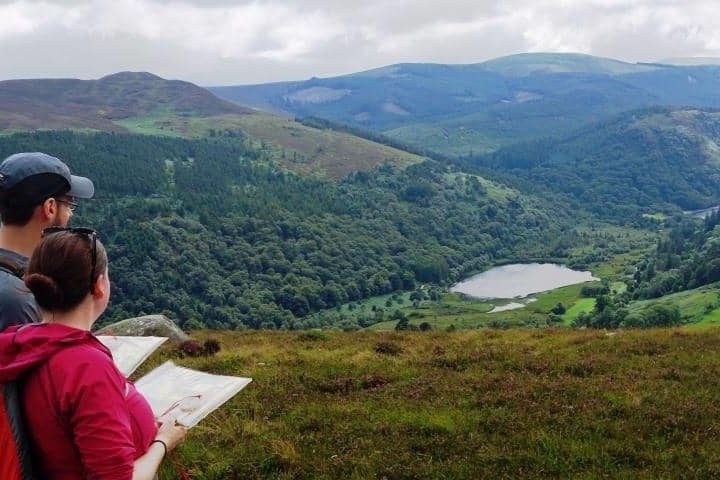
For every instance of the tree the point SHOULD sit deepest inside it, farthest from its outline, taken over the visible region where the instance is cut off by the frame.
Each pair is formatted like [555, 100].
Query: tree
[558, 309]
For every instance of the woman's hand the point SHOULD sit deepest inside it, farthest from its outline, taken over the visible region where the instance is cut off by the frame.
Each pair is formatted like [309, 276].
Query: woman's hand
[171, 433]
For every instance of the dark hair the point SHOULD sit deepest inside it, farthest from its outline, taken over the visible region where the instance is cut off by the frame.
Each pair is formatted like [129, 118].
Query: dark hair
[59, 273]
[18, 203]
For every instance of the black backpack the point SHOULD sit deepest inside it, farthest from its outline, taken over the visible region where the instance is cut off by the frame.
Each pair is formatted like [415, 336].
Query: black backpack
[15, 455]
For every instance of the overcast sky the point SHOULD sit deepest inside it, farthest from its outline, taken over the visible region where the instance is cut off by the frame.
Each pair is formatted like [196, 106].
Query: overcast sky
[227, 42]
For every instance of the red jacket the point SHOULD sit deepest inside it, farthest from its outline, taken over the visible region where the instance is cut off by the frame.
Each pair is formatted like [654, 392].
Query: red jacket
[86, 421]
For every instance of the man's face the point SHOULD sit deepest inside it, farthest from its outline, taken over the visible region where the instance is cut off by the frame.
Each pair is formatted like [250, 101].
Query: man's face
[66, 205]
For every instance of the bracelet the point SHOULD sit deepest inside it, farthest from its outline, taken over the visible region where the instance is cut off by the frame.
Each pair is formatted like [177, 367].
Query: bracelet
[157, 440]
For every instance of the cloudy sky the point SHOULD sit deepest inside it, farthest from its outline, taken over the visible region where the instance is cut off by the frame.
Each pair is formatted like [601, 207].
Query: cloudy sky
[226, 42]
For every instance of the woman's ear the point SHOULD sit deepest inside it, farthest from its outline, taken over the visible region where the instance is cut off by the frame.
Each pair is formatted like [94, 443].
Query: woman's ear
[99, 289]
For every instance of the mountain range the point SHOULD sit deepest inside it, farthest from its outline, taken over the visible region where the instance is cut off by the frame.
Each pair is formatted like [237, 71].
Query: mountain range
[578, 165]
[478, 108]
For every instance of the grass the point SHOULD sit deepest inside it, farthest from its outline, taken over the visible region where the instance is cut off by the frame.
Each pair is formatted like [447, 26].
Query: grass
[296, 146]
[311, 150]
[698, 306]
[479, 404]
[660, 217]
[585, 305]
[388, 302]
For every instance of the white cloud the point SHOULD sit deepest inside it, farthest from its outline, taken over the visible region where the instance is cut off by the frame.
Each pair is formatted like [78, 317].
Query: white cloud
[243, 41]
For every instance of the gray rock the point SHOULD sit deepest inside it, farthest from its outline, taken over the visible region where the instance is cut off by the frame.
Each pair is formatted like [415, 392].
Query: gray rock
[146, 326]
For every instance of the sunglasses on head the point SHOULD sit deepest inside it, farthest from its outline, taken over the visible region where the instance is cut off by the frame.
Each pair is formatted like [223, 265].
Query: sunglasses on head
[92, 234]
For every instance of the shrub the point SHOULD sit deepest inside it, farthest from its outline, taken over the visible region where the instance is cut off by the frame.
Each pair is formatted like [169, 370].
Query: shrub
[313, 335]
[388, 348]
[191, 348]
[211, 347]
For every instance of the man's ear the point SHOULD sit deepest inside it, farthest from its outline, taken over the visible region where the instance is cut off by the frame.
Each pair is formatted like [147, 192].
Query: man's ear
[48, 209]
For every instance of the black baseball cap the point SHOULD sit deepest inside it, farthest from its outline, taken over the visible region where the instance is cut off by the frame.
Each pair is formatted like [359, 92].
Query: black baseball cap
[21, 166]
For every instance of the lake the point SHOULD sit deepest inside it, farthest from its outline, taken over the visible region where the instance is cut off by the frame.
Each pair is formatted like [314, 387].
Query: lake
[520, 280]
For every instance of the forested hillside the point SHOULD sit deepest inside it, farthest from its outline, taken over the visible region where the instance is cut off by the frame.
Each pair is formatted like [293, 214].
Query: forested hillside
[640, 163]
[673, 284]
[215, 235]
[687, 257]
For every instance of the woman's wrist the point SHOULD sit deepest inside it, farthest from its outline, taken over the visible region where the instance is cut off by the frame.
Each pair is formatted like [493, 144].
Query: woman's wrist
[161, 442]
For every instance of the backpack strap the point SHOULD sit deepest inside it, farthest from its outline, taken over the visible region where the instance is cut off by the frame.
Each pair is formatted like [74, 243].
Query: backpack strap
[11, 265]
[19, 435]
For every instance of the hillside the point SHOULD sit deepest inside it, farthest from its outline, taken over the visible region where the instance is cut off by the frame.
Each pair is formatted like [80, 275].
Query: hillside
[686, 257]
[96, 104]
[463, 109]
[642, 162]
[481, 404]
[216, 234]
[138, 102]
[525, 64]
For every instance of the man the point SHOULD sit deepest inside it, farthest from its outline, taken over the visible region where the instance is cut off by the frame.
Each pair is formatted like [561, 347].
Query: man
[36, 191]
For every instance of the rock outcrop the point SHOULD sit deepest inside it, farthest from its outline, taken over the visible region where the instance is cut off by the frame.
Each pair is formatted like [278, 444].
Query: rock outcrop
[145, 326]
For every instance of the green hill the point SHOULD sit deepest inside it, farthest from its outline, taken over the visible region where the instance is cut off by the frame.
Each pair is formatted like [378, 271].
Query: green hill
[462, 109]
[96, 104]
[639, 163]
[686, 257]
[216, 233]
[136, 102]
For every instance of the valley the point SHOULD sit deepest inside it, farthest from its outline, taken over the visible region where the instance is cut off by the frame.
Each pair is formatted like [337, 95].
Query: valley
[301, 220]
[317, 249]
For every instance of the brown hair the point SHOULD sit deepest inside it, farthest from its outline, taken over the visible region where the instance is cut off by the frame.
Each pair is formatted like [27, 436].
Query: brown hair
[18, 203]
[59, 273]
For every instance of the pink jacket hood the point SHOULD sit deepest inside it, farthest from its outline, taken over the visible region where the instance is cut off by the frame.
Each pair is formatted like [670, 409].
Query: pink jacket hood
[25, 347]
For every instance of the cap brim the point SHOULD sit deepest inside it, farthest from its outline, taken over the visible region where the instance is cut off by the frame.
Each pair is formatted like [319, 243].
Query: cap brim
[81, 187]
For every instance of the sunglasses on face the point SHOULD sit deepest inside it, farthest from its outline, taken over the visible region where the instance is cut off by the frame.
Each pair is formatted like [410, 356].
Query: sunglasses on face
[92, 235]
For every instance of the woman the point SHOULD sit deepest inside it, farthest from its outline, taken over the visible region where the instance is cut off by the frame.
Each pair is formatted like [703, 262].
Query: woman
[85, 420]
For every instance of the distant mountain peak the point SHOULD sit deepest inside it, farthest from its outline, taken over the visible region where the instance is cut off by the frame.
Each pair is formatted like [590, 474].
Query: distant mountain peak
[130, 76]
[544, 62]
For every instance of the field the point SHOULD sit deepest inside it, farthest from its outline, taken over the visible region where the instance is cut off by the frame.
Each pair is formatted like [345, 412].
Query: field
[698, 307]
[458, 311]
[480, 404]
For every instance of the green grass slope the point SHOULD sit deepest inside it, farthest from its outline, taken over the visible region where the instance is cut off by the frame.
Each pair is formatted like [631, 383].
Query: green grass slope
[482, 404]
